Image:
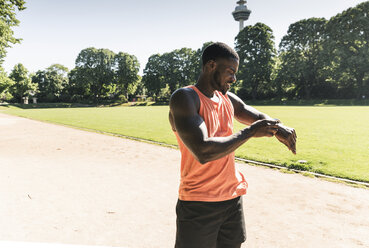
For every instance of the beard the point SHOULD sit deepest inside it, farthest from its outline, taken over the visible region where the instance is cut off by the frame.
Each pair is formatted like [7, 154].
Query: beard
[217, 83]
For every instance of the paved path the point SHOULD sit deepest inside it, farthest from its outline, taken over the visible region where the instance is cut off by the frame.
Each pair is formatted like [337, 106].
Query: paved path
[62, 185]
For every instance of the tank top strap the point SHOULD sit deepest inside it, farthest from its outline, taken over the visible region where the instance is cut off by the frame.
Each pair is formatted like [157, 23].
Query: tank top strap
[204, 98]
[199, 93]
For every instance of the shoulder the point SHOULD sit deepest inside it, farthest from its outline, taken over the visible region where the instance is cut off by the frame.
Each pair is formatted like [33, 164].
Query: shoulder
[234, 98]
[186, 91]
[184, 98]
[237, 102]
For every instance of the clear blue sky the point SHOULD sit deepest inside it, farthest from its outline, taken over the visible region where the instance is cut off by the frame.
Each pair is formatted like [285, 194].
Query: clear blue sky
[55, 31]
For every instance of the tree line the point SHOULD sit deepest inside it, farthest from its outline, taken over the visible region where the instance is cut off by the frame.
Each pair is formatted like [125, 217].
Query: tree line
[99, 75]
[316, 59]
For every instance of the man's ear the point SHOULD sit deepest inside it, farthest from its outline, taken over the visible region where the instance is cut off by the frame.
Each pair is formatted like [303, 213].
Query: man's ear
[211, 65]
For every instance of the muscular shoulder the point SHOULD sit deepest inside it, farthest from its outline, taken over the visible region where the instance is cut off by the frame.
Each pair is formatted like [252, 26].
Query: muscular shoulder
[232, 96]
[184, 99]
[236, 101]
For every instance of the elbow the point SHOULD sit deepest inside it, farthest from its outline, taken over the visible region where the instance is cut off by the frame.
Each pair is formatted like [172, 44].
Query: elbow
[202, 157]
[202, 153]
[202, 160]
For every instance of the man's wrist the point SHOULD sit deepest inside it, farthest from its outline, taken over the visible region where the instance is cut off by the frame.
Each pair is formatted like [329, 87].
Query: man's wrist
[248, 132]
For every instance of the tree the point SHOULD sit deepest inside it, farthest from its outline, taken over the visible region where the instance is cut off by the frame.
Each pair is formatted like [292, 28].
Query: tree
[140, 87]
[153, 76]
[5, 84]
[126, 73]
[51, 82]
[165, 73]
[95, 74]
[7, 21]
[300, 54]
[189, 67]
[76, 89]
[23, 85]
[180, 68]
[100, 74]
[348, 46]
[255, 47]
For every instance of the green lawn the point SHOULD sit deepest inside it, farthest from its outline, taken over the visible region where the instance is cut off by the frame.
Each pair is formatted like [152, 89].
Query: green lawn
[334, 140]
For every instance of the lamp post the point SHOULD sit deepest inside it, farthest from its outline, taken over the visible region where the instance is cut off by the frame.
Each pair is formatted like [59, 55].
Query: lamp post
[241, 13]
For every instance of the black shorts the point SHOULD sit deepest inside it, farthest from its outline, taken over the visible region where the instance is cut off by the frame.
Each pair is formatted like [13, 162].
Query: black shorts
[210, 224]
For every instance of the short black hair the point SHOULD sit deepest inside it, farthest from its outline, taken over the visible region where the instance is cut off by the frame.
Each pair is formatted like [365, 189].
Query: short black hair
[218, 50]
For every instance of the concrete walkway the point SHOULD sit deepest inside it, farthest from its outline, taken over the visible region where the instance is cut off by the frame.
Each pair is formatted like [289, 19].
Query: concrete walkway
[67, 186]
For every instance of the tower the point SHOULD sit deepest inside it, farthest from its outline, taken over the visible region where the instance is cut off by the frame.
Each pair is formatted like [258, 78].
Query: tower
[241, 13]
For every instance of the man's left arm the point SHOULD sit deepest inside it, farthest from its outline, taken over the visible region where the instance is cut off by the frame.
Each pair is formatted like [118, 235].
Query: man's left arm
[248, 115]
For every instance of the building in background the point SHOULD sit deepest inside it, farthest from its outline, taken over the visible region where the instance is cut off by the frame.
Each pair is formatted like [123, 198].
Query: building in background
[241, 13]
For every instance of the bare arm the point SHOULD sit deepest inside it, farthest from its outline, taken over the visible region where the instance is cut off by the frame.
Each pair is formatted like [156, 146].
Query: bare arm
[248, 115]
[245, 113]
[192, 130]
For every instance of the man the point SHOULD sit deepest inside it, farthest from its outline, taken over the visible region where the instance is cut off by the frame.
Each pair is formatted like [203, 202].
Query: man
[209, 208]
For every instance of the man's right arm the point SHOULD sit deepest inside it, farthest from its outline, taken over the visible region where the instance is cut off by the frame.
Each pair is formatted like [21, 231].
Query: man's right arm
[192, 130]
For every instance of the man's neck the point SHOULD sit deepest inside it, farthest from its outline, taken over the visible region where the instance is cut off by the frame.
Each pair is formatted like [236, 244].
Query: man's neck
[203, 84]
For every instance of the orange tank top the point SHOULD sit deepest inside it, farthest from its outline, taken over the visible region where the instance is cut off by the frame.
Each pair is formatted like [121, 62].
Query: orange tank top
[217, 180]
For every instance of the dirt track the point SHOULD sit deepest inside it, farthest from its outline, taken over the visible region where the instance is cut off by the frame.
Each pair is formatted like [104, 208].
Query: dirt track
[62, 185]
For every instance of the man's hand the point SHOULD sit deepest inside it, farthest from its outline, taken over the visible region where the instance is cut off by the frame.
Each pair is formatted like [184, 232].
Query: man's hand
[287, 136]
[264, 128]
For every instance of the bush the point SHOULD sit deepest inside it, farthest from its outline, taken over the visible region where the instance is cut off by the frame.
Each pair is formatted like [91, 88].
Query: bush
[122, 99]
[6, 97]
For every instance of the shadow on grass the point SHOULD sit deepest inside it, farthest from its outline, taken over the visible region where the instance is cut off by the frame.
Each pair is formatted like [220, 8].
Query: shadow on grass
[81, 105]
[142, 104]
[272, 102]
[160, 103]
[313, 102]
[4, 105]
[50, 105]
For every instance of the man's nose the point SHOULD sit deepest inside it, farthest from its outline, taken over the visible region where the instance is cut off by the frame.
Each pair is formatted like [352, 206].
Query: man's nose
[234, 78]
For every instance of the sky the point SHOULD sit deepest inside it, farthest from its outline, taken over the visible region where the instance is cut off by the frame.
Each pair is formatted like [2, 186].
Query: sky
[55, 31]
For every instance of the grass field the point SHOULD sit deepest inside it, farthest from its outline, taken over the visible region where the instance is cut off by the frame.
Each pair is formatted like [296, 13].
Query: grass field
[333, 140]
